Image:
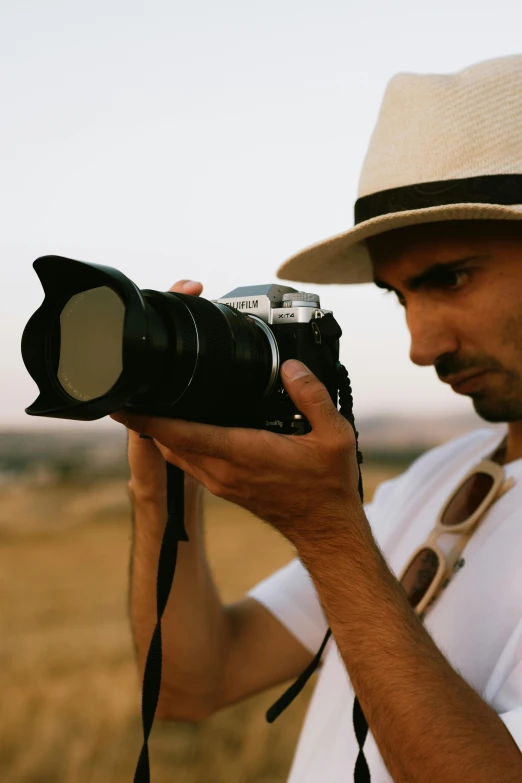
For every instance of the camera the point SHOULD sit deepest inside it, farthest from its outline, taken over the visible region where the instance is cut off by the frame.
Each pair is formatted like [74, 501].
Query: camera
[98, 344]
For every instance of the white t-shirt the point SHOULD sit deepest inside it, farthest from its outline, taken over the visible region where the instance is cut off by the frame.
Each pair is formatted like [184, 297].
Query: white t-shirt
[476, 622]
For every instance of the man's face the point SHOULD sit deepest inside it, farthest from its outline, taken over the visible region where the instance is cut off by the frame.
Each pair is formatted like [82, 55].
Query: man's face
[464, 316]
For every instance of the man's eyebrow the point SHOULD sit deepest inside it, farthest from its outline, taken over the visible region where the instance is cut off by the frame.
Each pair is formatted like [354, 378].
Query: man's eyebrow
[428, 275]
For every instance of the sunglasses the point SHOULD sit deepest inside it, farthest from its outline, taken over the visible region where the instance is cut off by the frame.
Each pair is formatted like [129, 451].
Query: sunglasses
[429, 570]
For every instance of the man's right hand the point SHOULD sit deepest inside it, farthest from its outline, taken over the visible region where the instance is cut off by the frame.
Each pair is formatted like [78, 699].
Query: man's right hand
[147, 465]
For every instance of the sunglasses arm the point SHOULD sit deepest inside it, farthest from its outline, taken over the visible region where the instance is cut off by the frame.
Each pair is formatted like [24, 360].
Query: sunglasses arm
[508, 483]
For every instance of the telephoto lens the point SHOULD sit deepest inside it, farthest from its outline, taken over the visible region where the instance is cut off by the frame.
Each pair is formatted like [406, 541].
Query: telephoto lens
[99, 344]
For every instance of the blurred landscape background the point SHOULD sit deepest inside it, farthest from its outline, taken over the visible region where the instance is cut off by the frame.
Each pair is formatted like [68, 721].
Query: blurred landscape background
[70, 690]
[175, 140]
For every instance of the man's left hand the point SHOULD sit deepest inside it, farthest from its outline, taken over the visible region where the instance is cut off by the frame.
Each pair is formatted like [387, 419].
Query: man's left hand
[303, 485]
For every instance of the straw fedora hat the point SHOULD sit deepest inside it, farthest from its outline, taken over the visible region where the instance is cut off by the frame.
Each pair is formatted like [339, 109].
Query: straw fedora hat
[445, 147]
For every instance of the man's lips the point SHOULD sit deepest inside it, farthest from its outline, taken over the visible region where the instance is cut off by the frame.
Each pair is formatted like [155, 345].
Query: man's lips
[465, 381]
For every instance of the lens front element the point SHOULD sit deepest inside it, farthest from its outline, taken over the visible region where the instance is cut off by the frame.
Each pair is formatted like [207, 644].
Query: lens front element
[91, 343]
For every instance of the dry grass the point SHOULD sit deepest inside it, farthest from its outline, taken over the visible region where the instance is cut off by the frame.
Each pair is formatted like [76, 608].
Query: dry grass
[70, 694]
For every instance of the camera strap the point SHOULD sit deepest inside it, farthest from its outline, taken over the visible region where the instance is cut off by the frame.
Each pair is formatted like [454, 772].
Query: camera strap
[174, 532]
[360, 725]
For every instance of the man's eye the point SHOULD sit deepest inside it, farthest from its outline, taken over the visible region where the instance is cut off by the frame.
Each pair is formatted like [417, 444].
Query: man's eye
[453, 279]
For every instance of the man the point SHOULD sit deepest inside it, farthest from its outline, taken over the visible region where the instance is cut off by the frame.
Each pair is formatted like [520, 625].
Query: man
[438, 222]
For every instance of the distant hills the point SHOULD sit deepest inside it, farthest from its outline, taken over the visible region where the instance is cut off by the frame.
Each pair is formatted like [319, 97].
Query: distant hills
[416, 432]
[95, 452]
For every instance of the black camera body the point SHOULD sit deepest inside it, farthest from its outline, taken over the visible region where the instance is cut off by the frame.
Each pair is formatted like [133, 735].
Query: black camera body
[99, 344]
[300, 330]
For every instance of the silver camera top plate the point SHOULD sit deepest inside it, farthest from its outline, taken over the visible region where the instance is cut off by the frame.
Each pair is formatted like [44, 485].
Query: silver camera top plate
[266, 302]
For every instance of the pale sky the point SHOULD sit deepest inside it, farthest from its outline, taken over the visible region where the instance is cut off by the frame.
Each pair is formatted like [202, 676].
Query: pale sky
[212, 141]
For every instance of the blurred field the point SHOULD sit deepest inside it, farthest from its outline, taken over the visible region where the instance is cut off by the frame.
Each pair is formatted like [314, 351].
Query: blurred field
[70, 705]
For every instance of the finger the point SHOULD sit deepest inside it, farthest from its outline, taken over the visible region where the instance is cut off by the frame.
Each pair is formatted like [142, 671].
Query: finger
[310, 396]
[190, 287]
[143, 451]
[205, 470]
[180, 462]
[185, 437]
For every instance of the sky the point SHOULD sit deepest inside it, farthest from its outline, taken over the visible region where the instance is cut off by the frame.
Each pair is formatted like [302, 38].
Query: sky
[211, 141]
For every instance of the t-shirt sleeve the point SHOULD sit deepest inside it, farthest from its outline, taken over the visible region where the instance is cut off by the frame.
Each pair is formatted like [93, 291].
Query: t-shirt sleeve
[504, 689]
[290, 595]
[513, 723]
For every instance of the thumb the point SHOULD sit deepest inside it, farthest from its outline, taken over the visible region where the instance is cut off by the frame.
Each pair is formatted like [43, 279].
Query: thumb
[309, 395]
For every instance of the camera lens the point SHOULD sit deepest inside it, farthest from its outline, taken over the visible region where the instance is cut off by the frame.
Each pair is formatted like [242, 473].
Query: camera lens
[91, 343]
[99, 344]
[219, 364]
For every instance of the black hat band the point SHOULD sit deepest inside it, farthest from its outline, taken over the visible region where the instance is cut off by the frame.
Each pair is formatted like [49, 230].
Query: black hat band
[495, 189]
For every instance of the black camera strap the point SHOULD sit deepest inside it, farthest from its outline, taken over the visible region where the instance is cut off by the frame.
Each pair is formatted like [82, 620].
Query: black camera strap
[175, 532]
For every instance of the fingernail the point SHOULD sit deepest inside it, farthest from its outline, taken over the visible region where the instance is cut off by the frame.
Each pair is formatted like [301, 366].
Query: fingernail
[294, 369]
[189, 283]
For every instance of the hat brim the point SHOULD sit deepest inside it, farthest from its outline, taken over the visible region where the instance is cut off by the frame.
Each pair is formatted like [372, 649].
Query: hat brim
[344, 258]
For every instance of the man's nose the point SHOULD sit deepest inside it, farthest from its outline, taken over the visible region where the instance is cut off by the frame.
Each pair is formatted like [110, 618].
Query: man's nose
[431, 335]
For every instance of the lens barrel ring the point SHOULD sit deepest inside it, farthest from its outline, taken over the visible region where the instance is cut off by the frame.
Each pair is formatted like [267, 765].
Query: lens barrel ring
[215, 353]
[250, 331]
[202, 338]
[236, 354]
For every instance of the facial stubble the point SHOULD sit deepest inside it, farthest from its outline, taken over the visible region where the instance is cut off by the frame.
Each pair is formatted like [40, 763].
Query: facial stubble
[504, 404]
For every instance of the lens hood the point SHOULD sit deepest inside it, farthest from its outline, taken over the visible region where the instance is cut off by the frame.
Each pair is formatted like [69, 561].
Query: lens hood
[61, 279]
